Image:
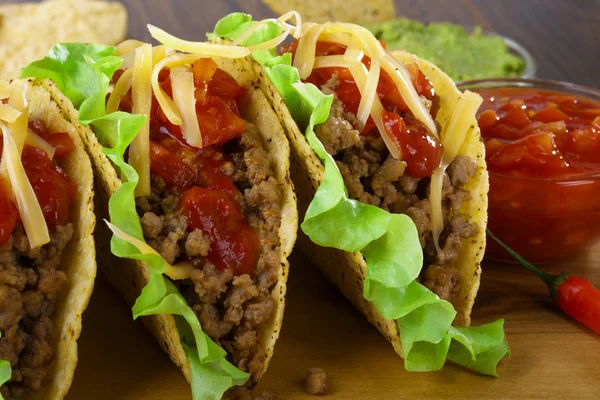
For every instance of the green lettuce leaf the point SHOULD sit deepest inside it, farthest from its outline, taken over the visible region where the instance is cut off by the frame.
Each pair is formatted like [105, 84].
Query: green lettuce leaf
[389, 242]
[68, 65]
[5, 372]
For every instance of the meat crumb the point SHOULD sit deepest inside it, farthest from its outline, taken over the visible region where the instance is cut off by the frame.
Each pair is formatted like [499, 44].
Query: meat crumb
[315, 381]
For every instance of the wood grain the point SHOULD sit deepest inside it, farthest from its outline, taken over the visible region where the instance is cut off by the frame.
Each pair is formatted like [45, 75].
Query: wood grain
[552, 356]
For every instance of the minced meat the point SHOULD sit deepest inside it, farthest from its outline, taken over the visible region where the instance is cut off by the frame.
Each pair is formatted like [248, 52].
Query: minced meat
[30, 282]
[374, 177]
[315, 381]
[229, 308]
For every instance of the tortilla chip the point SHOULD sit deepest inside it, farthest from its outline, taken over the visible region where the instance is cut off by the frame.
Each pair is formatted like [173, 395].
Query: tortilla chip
[28, 30]
[129, 276]
[79, 257]
[108, 20]
[348, 270]
[356, 11]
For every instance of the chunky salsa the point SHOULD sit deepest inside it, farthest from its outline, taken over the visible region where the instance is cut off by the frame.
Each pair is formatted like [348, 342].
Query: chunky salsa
[421, 152]
[53, 189]
[543, 153]
[209, 198]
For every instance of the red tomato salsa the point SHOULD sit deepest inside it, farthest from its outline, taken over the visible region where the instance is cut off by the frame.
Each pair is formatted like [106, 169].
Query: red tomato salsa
[53, 189]
[209, 198]
[420, 150]
[543, 154]
[540, 133]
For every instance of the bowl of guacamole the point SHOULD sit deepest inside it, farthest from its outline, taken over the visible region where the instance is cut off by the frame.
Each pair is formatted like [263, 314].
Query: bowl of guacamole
[462, 54]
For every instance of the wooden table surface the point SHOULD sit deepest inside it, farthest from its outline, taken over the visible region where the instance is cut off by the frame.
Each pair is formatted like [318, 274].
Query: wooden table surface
[553, 357]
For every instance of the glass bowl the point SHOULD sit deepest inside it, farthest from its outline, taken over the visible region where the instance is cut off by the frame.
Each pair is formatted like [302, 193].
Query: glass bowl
[542, 219]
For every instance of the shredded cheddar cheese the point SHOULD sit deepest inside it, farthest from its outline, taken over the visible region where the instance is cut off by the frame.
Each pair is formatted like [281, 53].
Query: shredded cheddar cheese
[179, 271]
[15, 135]
[182, 82]
[34, 140]
[120, 89]
[4, 91]
[459, 126]
[8, 113]
[141, 96]
[206, 49]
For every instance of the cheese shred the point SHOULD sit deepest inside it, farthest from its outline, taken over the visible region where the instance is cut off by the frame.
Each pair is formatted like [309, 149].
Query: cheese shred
[182, 82]
[461, 123]
[120, 89]
[141, 95]
[179, 271]
[12, 170]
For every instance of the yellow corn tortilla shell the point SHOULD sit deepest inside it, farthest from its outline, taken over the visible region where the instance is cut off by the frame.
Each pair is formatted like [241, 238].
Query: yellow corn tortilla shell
[348, 270]
[28, 30]
[79, 257]
[356, 11]
[129, 276]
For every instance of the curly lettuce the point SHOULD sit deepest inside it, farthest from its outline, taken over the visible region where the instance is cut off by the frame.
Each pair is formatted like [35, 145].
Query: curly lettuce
[83, 73]
[389, 242]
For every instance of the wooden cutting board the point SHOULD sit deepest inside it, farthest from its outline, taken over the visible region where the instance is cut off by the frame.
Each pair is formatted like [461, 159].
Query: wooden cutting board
[553, 357]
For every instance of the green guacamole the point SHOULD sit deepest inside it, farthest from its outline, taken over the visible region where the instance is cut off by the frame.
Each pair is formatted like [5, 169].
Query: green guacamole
[460, 54]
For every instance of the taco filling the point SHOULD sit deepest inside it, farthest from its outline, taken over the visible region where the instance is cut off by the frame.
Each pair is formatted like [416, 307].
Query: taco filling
[31, 248]
[214, 209]
[372, 175]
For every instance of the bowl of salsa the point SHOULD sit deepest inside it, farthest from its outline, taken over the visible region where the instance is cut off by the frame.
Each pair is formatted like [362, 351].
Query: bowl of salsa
[542, 141]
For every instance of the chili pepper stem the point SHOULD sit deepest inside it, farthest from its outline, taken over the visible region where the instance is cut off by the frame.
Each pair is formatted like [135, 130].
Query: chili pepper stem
[552, 281]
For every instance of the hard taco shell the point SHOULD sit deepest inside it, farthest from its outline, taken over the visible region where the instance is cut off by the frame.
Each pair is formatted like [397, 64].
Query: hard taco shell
[79, 257]
[129, 276]
[349, 270]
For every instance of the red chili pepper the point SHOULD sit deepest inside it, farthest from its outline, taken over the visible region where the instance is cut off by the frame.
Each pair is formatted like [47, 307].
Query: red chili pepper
[577, 297]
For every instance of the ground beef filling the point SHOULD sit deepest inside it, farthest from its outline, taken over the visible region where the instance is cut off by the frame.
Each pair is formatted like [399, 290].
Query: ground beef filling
[30, 282]
[230, 308]
[373, 176]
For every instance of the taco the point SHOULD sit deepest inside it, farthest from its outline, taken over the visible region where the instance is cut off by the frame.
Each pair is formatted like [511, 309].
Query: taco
[389, 168]
[47, 253]
[194, 166]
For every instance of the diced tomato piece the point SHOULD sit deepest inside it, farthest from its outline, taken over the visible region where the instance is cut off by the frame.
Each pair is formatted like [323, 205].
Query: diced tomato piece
[487, 119]
[584, 144]
[420, 81]
[218, 124]
[62, 142]
[34, 158]
[389, 95]
[550, 114]
[516, 117]
[170, 168]
[288, 48]
[223, 85]
[233, 243]
[421, 152]
[493, 145]
[535, 153]
[203, 70]
[38, 127]
[8, 214]
[557, 127]
[54, 195]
